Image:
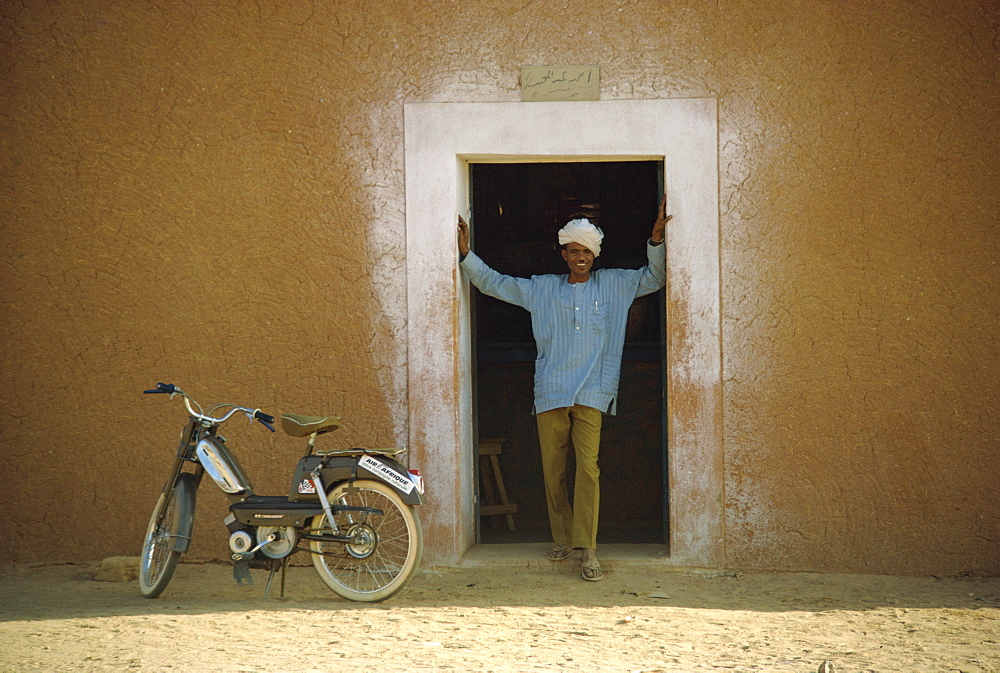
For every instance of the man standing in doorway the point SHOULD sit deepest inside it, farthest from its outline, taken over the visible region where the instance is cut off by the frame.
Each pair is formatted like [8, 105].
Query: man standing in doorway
[578, 321]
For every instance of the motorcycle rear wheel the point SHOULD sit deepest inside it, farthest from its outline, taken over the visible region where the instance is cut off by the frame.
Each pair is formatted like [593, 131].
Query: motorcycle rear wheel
[387, 552]
[159, 557]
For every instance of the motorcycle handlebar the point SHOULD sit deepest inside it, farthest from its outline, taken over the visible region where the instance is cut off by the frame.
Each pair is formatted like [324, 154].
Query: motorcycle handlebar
[256, 414]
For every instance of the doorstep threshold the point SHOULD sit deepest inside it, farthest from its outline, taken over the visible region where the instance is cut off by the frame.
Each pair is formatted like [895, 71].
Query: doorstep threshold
[523, 555]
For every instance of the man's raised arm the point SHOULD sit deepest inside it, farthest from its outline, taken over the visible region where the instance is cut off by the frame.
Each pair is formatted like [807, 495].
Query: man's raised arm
[463, 237]
[660, 226]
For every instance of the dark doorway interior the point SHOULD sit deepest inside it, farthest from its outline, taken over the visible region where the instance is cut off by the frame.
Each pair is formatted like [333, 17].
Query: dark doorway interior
[517, 210]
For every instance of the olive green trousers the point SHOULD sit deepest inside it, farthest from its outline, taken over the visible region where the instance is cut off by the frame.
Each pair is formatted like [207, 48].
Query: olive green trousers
[578, 427]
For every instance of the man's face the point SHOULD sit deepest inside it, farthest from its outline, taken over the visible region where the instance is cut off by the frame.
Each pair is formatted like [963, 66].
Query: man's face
[579, 259]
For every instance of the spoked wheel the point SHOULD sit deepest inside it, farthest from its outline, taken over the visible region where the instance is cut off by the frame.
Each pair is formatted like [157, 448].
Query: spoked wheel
[159, 554]
[386, 548]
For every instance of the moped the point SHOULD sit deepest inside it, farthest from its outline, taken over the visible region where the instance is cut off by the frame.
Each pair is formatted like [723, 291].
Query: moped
[351, 509]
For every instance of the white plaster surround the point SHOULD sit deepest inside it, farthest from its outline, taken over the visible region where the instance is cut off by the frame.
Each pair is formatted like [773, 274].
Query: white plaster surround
[441, 139]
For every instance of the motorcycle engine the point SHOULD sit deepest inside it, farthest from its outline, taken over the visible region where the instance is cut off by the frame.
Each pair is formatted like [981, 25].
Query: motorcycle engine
[283, 544]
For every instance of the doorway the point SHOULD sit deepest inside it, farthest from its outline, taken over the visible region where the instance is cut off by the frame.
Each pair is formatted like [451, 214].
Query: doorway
[436, 372]
[516, 209]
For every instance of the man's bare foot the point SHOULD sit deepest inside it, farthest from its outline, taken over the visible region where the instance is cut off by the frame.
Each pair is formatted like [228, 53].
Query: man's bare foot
[559, 553]
[590, 567]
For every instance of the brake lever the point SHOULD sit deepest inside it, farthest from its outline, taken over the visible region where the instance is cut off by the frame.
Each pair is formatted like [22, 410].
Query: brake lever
[264, 419]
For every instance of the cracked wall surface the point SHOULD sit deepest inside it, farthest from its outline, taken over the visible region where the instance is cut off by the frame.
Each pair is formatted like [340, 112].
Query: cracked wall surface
[213, 196]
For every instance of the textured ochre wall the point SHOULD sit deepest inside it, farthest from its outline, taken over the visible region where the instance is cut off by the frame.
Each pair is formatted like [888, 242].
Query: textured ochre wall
[212, 194]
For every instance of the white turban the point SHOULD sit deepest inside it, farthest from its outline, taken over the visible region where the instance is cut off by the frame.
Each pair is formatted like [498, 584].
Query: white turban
[583, 232]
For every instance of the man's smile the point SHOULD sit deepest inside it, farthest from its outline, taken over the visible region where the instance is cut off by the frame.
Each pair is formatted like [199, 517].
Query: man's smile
[579, 259]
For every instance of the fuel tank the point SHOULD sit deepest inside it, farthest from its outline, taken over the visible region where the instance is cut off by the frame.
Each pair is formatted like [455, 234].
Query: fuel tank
[222, 466]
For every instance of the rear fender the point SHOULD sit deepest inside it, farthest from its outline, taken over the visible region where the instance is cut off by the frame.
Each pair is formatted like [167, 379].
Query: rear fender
[348, 467]
[394, 474]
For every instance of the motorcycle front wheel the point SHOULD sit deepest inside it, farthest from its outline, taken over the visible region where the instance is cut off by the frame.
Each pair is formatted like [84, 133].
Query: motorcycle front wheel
[386, 550]
[159, 556]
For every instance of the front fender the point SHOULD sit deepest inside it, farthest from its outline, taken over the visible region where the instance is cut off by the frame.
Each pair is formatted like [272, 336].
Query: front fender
[187, 488]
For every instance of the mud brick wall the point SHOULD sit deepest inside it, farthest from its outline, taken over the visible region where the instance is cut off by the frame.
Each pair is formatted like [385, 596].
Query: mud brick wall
[211, 194]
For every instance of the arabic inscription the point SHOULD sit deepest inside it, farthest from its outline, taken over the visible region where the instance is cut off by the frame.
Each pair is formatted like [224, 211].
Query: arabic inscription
[560, 82]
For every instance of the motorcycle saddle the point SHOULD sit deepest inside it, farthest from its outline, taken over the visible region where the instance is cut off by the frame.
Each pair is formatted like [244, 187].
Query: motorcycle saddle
[297, 425]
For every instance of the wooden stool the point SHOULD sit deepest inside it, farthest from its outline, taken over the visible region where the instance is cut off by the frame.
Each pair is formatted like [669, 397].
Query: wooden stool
[489, 452]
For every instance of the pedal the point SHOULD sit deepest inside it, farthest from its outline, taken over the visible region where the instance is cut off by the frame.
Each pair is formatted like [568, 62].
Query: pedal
[241, 570]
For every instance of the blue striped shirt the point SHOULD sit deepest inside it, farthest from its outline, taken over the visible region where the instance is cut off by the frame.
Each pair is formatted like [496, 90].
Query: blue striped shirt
[579, 328]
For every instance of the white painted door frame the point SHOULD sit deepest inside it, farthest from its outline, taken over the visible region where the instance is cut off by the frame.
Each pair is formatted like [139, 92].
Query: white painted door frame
[441, 139]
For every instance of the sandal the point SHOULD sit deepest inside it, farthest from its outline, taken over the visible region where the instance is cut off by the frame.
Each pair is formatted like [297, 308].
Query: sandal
[591, 571]
[559, 553]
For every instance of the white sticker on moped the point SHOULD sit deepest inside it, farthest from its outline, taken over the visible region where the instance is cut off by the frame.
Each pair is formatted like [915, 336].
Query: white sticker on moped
[386, 474]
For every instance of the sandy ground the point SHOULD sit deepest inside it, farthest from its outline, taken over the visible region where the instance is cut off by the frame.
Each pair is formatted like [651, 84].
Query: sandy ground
[537, 617]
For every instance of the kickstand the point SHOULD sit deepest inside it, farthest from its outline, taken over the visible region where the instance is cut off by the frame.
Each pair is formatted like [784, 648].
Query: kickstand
[275, 564]
[284, 565]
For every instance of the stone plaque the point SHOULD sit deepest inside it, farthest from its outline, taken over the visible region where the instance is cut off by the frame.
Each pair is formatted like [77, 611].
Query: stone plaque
[560, 82]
